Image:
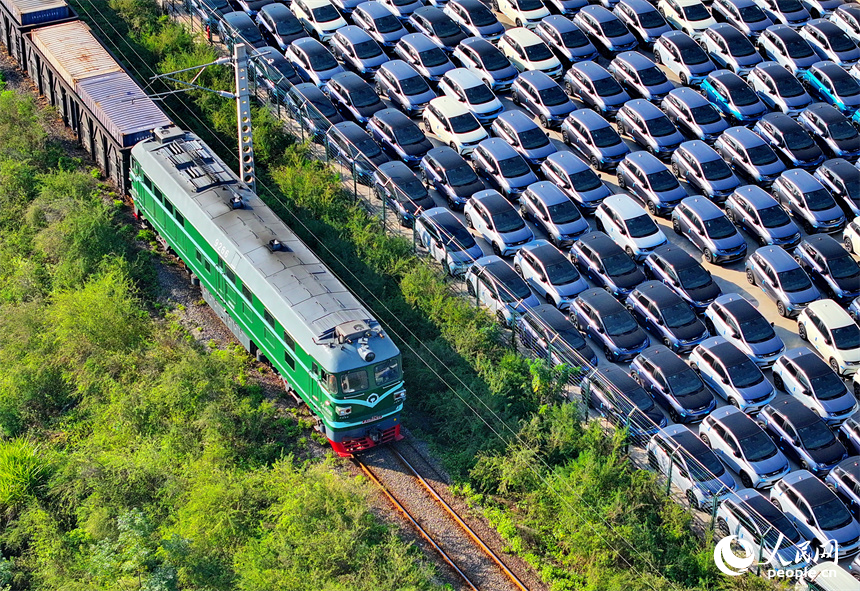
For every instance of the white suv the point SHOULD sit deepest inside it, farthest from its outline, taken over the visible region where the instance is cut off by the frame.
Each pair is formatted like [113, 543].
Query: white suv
[629, 225]
[523, 13]
[319, 17]
[465, 86]
[527, 51]
[497, 221]
[454, 124]
[833, 334]
[494, 284]
[690, 16]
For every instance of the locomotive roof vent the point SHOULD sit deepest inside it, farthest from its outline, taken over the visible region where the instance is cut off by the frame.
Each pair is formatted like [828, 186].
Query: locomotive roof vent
[167, 134]
[352, 331]
[276, 245]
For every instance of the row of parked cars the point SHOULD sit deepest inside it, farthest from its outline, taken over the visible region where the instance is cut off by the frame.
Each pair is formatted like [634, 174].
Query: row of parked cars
[447, 78]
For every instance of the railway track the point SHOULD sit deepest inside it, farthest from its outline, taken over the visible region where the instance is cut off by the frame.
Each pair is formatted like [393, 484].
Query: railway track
[472, 560]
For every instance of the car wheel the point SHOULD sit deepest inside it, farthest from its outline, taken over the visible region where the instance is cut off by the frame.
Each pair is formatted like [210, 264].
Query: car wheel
[857, 390]
[778, 383]
[776, 504]
[652, 208]
[673, 414]
[608, 352]
[721, 530]
[652, 460]
[734, 402]
[470, 289]
[651, 150]
[730, 215]
[657, 58]
[849, 245]
[595, 162]
[551, 301]
[709, 324]
[691, 499]
[676, 226]
[469, 221]
[453, 146]
[519, 23]
[621, 182]
[569, 88]
[496, 250]
[683, 78]
[801, 332]
[515, 98]
[780, 308]
[519, 270]
[524, 213]
[746, 480]
[598, 223]
[667, 342]
[675, 170]
[750, 274]
[544, 121]
[804, 465]
[709, 256]
[630, 252]
[705, 439]
[565, 137]
[424, 178]
[834, 365]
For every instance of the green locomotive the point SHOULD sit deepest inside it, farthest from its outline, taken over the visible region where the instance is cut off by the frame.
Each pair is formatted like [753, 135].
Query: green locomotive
[272, 292]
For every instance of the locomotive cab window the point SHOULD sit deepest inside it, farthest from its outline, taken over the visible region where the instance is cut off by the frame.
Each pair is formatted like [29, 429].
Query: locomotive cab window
[291, 344]
[289, 359]
[387, 372]
[328, 381]
[354, 381]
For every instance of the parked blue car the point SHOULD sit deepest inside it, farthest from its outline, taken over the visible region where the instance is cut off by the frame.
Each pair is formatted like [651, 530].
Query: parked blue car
[604, 319]
[504, 169]
[576, 179]
[782, 279]
[755, 211]
[649, 127]
[623, 402]
[542, 96]
[808, 202]
[734, 318]
[676, 268]
[733, 97]
[590, 83]
[524, 135]
[732, 375]
[668, 317]
[547, 331]
[591, 136]
[749, 155]
[831, 84]
[694, 115]
[600, 259]
[699, 164]
[399, 136]
[650, 182]
[827, 262]
[708, 229]
[832, 130]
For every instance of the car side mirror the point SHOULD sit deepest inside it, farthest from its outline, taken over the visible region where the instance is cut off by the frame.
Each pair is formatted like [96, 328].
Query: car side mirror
[623, 231]
[600, 329]
[772, 324]
[544, 217]
[542, 278]
[734, 334]
[809, 521]
[438, 244]
[827, 340]
[806, 392]
[724, 380]
[660, 321]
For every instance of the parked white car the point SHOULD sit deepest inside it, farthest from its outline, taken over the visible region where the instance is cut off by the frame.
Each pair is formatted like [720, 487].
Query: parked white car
[523, 13]
[804, 375]
[454, 124]
[527, 51]
[320, 18]
[549, 273]
[851, 236]
[496, 285]
[690, 16]
[833, 334]
[629, 225]
[447, 240]
[465, 86]
[683, 56]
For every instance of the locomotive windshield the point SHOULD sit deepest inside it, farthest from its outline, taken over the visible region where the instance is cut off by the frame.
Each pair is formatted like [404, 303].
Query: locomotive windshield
[354, 381]
[387, 372]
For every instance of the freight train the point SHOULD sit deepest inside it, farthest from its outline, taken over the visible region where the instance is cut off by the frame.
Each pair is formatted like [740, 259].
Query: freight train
[264, 283]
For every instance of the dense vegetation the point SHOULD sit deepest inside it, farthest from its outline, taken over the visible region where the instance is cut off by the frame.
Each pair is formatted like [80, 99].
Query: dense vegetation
[562, 492]
[132, 457]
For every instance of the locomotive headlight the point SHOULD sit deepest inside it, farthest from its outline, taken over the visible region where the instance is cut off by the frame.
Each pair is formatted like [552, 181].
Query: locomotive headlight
[400, 396]
[343, 411]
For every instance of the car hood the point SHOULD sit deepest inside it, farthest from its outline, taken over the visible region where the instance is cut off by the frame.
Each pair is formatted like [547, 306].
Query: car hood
[595, 195]
[840, 404]
[844, 534]
[700, 69]
[561, 110]
[674, 139]
[412, 205]
[521, 181]
[654, 33]
[783, 232]
[828, 455]
[494, 29]
[675, 194]
[804, 297]
[771, 464]
[849, 145]
[659, 89]
[417, 149]
[523, 233]
[797, 102]
[504, 74]
[466, 191]
[717, 486]
[614, 151]
[697, 400]
[393, 37]
[826, 215]
[750, 110]
[621, 41]
[770, 169]
[572, 288]
[542, 152]
[766, 347]
[651, 241]
[847, 56]
[760, 390]
[690, 332]
[724, 185]
[849, 284]
[712, 130]
[420, 99]
[805, 155]
[706, 293]
[368, 111]
[466, 256]
[575, 228]
[631, 340]
[529, 302]
[439, 71]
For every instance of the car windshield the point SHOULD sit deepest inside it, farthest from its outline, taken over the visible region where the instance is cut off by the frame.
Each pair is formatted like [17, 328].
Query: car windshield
[409, 134]
[617, 265]
[402, 2]
[819, 200]
[553, 96]
[606, 87]
[619, 323]
[322, 61]
[411, 189]
[720, 227]
[781, 525]
[740, 47]
[752, 14]
[745, 374]
[827, 386]
[573, 39]
[530, 4]
[446, 28]
[479, 94]
[684, 383]
[513, 167]
[367, 146]
[514, 292]
[842, 130]
[705, 114]
[693, 55]
[482, 17]
[660, 126]
[832, 514]
[843, 267]
[694, 277]
[840, 42]
[815, 435]
[845, 86]
[538, 52]
[464, 123]
[603, 137]
[706, 467]
[461, 175]
[613, 28]
[742, 95]
[508, 221]
[761, 155]
[433, 57]
[797, 47]
[797, 139]
[788, 6]
[773, 217]
[564, 212]
[325, 13]
[562, 272]
[696, 12]
[387, 24]
[757, 330]
[652, 76]
[847, 337]
[367, 49]
[794, 280]
[641, 226]
[459, 238]
[288, 27]
[414, 85]
[716, 170]
[651, 20]
[788, 87]
[758, 447]
[363, 96]
[585, 180]
[677, 315]
[662, 181]
[493, 60]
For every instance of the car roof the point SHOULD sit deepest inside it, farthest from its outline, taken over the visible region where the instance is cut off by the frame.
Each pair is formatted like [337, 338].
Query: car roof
[784, 32]
[568, 161]
[317, 3]
[841, 168]
[675, 256]
[825, 26]
[352, 33]
[850, 8]
[449, 106]
[689, 97]
[277, 10]
[774, 70]
[782, 121]
[591, 119]
[727, 77]
[238, 20]
[599, 13]
[646, 161]
[826, 245]
[832, 314]
[699, 150]
[757, 504]
[600, 243]
[518, 120]
[624, 206]
[542, 247]
[742, 4]
[592, 70]
[400, 68]
[446, 156]
[470, 4]
[684, 438]
[665, 360]
[548, 193]
[618, 378]
[308, 45]
[497, 148]
[738, 306]
[726, 31]
[443, 218]
[825, 112]
[395, 169]
[757, 197]
[777, 257]
[658, 292]
[523, 36]
[431, 13]
[560, 23]
[736, 421]
[679, 39]
[463, 77]
[851, 466]
[639, 6]
[350, 130]
[635, 59]
[392, 116]
[801, 179]
[350, 80]
[809, 363]
[500, 269]
[479, 44]
[540, 80]
[747, 137]
[600, 300]
[831, 69]
[703, 207]
[807, 486]
[418, 41]
[797, 413]
[493, 201]
[644, 108]
[374, 9]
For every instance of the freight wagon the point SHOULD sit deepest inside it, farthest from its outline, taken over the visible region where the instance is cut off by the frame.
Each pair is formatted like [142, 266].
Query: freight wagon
[19, 16]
